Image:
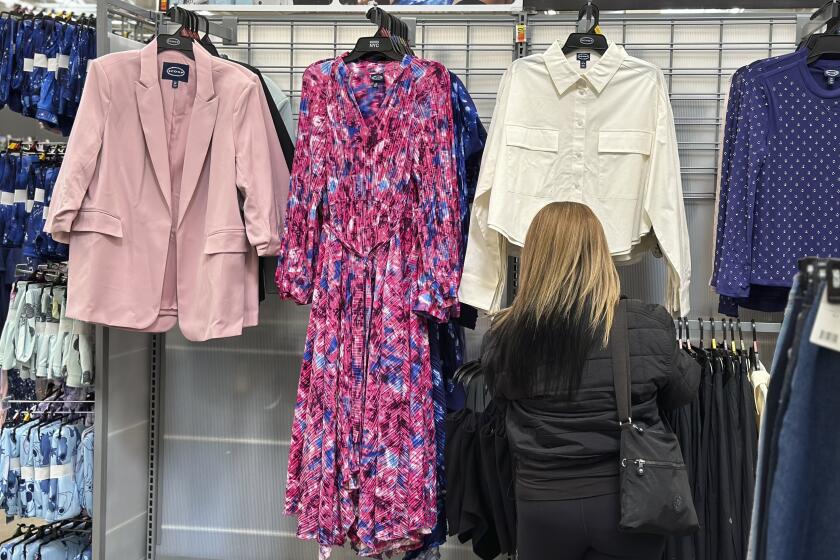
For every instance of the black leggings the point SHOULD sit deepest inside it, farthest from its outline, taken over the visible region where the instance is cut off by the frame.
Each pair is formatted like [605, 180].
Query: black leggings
[582, 529]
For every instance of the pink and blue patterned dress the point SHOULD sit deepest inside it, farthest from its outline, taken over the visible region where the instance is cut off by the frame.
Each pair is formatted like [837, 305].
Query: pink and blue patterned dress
[373, 241]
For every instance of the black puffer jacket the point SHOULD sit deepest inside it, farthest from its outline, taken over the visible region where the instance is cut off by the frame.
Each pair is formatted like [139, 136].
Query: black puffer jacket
[567, 449]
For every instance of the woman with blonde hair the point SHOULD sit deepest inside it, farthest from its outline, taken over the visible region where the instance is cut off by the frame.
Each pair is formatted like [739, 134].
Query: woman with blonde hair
[546, 359]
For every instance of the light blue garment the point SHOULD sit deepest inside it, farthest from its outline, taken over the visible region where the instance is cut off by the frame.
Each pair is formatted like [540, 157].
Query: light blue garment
[10, 328]
[5, 451]
[26, 487]
[18, 551]
[26, 339]
[74, 547]
[7, 548]
[33, 550]
[86, 554]
[63, 501]
[284, 105]
[10, 473]
[84, 472]
[54, 550]
[41, 453]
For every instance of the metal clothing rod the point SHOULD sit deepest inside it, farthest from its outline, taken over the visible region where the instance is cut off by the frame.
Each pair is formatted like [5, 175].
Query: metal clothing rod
[47, 402]
[226, 31]
[131, 9]
[764, 327]
[31, 412]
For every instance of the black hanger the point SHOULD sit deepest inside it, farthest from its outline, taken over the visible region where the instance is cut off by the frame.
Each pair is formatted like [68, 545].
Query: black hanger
[680, 331]
[375, 48]
[832, 23]
[588, 40]
[687, 335]
[824, 46]
[702, 343]
[176, 41]
[394, 26]
[723, 329]
[205, 41]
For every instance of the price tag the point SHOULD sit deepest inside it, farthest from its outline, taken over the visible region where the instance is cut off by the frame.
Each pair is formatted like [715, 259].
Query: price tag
[826, 332]
[520, 33]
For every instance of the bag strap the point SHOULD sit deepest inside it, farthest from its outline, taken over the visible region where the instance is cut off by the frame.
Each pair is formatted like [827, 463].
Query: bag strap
[620, 350]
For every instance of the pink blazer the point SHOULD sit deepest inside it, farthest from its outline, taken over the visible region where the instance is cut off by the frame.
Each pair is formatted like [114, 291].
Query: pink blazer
[167, 195]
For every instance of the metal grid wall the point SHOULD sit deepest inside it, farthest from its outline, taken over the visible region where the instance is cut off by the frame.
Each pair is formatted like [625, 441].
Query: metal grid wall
[697, 52]
[478, 49]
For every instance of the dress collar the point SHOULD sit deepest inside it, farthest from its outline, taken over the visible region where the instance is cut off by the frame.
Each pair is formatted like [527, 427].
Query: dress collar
[564, 74]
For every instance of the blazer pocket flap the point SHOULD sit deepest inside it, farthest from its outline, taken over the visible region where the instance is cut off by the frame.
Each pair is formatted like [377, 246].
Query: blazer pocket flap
[625, 141]
[540, 139]
[98, 222]
[230, 241]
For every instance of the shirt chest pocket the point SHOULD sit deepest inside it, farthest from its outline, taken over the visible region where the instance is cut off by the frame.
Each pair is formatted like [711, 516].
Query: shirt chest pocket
[533, 167]
[623, 157]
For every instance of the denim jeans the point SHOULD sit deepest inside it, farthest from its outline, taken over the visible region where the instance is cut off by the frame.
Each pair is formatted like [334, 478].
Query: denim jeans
[805, 493]
[767, 434]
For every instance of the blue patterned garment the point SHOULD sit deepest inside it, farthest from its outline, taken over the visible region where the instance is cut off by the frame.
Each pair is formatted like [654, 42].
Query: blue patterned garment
[42, 451]
[63, 499]
[26, 435]
[7, 548]
[9, 472]
[778, 199]
[446, 341]
[761, 298]
[84, 472]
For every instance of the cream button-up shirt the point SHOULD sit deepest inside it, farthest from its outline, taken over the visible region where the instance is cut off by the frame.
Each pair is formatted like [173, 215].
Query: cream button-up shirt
[602, 136]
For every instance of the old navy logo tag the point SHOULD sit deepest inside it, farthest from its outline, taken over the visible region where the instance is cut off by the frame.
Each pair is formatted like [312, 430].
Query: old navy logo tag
[176, 73]
[583, 58]
[831, 76]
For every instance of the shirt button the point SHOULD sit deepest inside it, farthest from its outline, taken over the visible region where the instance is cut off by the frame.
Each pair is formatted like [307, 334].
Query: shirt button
[577, 155]
[579, 124]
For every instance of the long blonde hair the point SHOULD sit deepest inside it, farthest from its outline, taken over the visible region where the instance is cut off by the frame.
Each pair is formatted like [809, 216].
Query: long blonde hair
[565, 301]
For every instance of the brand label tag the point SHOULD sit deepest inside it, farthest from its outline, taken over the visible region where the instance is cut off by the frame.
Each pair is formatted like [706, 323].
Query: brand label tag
[583, 58]
[826, 332]
[176, 73]
[831, 76]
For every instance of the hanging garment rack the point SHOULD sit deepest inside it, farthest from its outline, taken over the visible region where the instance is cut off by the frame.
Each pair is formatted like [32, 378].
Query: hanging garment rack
[13, 401]
[226, 30]
[391, 23]
[760, 327]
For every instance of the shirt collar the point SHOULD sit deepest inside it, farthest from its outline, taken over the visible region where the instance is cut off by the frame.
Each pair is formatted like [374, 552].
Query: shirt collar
[564, 74]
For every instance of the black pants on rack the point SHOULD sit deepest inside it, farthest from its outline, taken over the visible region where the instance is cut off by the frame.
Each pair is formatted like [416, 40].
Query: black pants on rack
[581, 529]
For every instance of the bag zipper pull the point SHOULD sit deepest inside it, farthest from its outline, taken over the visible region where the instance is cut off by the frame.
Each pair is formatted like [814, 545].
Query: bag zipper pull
[640, 466]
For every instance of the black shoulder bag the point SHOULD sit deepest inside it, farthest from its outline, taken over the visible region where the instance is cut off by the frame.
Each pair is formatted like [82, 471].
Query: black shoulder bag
[655, 491]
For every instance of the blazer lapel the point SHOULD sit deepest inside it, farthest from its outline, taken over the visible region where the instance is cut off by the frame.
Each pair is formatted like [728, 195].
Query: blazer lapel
[200, 133]
[150, 104]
